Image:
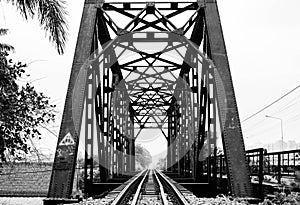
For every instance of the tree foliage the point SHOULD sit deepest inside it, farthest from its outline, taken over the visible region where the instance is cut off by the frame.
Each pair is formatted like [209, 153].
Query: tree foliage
[51, 15]
[4, 46]
[22, 110]
[142, 156]
[161, 164]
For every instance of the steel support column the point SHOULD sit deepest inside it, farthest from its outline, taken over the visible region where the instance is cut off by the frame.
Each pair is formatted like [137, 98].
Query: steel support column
[239, 175]
[65, 156]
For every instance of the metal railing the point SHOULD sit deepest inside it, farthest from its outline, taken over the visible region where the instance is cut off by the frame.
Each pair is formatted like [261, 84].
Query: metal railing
[261, 163]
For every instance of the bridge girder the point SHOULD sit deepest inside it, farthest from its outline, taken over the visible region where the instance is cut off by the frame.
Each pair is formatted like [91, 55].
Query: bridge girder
[122, 96]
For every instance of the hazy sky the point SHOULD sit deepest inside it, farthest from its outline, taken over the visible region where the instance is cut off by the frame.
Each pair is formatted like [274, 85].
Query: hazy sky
[263, 45]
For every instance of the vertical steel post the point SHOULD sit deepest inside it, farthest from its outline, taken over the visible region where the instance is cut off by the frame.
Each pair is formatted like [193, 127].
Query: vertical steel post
[239, 175]
[65, 156]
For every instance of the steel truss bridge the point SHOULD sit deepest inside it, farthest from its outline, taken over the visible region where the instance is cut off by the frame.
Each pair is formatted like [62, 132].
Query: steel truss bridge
[142, 66]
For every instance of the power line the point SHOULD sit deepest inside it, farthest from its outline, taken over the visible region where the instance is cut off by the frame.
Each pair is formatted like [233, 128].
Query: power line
[271, 104]
[288, 106]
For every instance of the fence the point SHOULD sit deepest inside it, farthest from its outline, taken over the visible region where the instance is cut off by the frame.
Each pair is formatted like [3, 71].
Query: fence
[261, 163]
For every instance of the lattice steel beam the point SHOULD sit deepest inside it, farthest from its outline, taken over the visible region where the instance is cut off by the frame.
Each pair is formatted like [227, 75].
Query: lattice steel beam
[189, 110]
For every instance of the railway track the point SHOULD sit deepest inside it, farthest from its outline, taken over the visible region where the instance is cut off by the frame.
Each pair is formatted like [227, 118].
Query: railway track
[150, 187]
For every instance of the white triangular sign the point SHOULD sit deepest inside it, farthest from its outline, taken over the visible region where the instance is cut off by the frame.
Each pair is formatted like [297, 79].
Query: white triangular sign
[67, 140]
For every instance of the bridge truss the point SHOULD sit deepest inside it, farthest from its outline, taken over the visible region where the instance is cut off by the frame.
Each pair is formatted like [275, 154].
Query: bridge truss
[154, 65]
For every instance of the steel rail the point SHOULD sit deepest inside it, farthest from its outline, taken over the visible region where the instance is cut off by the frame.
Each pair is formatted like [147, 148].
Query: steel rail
[175, 190]
[118, 199]
[161, 189]
[138, 191]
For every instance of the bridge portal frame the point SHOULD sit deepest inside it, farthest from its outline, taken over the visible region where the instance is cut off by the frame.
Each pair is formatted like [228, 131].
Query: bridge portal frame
[207, 31]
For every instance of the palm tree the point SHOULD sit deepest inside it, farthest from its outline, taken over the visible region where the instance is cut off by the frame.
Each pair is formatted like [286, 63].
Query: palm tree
[51, 15]
[4, 46]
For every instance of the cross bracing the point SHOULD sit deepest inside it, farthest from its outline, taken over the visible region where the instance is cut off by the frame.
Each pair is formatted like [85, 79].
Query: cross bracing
[153, 65]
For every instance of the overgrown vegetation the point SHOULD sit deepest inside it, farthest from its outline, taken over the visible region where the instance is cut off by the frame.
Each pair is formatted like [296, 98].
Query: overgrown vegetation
[23, 110]
[282, 198]
[142, 156]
